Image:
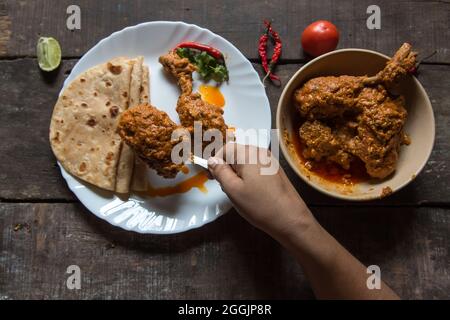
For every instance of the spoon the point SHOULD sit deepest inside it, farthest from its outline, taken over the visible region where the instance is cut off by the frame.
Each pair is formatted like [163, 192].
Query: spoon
[199, 161]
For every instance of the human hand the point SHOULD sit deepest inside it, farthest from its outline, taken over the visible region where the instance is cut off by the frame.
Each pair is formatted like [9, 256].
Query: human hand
[269, 202]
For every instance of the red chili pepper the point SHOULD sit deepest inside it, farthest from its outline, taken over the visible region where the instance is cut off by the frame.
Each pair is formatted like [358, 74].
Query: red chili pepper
[262, 49]
[276, 37]
[202, 47]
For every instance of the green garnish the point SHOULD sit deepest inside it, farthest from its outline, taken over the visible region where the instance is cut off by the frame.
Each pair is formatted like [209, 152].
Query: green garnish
[207, 66]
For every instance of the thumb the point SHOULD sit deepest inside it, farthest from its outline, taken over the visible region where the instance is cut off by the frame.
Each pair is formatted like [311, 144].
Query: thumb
[224, 174]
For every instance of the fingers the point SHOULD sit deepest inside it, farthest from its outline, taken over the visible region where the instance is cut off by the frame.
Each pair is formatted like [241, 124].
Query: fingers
[244, 157]
[236, 154]
[224, 174]
[228, 152]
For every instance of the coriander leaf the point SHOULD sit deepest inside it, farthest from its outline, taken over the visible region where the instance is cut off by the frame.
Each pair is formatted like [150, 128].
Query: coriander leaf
[207, 66]
[220, 73]
[186, 53]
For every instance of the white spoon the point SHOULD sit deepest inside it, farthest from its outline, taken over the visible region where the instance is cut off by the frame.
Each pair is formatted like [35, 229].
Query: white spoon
[199, 161]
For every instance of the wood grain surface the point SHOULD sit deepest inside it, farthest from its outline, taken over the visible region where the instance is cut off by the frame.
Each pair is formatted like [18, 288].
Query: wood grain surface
[228, 259]
[44, 229]
[423, 23]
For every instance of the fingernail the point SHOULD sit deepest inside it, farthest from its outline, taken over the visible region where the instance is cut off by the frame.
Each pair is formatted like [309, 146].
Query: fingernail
[212, 162]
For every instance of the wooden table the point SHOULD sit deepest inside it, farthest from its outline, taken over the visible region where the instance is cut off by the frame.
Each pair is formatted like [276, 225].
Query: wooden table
[44, 229]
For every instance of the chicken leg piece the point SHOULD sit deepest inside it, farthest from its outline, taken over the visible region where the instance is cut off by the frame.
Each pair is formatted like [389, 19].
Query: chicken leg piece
[190, 107]
[351, 116]
[149, 132]
[325, 97]
[403, 61]
[180, 68]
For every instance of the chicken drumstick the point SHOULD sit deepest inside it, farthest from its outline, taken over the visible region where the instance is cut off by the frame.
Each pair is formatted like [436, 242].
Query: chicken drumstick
[349, 117]
[190, 106]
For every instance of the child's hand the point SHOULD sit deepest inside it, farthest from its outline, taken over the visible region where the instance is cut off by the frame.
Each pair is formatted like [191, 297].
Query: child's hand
[269, 202]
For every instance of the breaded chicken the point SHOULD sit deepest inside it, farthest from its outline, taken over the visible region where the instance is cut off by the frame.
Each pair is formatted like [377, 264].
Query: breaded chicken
[190, 107]
[149, 132]
[362, 108]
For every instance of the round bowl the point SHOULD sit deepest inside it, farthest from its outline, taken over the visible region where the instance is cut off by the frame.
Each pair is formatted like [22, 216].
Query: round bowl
[419, 124]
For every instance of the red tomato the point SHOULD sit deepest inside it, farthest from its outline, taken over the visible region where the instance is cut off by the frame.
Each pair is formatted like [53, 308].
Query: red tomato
[320, 37]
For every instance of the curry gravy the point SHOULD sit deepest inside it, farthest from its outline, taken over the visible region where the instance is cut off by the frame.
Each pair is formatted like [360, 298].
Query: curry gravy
[197, 181]
[328, 170]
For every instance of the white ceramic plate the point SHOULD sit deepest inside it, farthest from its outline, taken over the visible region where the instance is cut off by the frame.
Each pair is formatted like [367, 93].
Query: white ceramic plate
[247, 107]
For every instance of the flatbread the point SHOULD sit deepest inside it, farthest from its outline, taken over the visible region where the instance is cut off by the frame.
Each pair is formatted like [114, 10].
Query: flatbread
[126, 160]
[145, 86]
[83, 133]
[136, 82]
[139, 181]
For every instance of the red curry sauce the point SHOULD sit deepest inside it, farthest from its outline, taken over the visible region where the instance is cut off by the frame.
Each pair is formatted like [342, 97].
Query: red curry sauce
[328, 170]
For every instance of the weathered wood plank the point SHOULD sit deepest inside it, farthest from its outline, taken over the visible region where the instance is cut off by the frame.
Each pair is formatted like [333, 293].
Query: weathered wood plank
[227, 259]
[28, 169]
[238, 21]
[5, 29]
[28, 96]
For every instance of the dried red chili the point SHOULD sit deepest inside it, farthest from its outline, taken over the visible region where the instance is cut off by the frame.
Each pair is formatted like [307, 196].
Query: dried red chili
[202, 47]
[262, 49]
[276, 37]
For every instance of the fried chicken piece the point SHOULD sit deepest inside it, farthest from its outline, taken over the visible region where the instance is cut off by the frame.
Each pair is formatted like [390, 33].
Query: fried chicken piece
[321, 143]
[180, 68]
[325, 97]
[397, 67]
[385, 118]
[357, 117]
[190, 107]
[374, 136]
[380, 158]
[380, 134]
[149, 132]
[375, 139]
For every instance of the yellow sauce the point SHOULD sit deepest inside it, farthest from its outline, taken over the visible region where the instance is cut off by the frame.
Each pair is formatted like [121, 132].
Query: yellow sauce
[212, 95]
[185, 170]
[198, 181]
